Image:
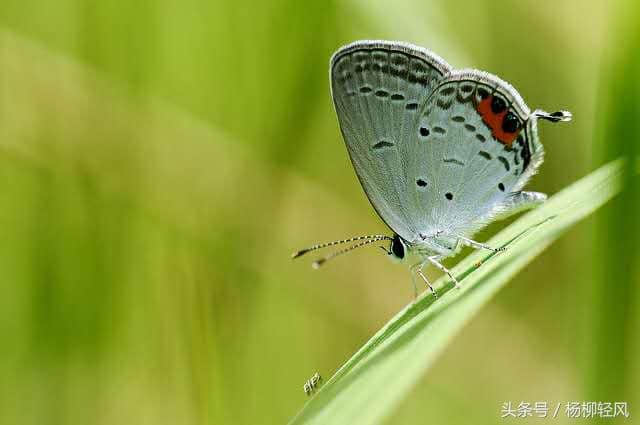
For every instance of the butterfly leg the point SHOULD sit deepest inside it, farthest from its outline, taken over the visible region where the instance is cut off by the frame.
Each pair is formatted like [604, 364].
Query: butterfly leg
[478, 245]
[413, 280]
[434, 260]
[416, 269]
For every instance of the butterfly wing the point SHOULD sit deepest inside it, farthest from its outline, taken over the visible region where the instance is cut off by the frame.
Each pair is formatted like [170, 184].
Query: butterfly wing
[379, 89]
[478, 147]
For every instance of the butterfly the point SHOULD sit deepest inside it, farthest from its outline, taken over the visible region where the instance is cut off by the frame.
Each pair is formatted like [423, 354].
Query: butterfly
[439, 152]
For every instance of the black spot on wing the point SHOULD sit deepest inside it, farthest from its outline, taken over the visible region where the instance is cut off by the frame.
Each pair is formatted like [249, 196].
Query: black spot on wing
[510, 123]
[444, 104]
[498, 105]
[453, 161]
[447, 91]
[525, 152]
[504, 162]
[382, 93]
[383, 144]
[485, 155]
[466, 88]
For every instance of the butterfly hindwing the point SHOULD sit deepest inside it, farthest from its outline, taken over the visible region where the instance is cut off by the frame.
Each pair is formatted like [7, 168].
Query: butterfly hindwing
[479, 145]
[379, 90]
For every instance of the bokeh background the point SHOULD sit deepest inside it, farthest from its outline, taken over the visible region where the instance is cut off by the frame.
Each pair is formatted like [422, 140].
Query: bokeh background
[160, 161]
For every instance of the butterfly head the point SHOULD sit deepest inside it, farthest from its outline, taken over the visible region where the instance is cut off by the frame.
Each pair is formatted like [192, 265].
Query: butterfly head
[397, 248]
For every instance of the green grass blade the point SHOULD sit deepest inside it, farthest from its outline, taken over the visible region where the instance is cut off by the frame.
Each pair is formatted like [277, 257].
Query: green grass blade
[368, 386]
[614, 296]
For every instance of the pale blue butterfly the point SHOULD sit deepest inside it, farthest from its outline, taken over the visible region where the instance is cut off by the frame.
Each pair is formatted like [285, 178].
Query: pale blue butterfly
[439, 152]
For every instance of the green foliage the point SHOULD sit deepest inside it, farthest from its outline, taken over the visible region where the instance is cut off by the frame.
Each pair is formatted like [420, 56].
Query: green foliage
[160, 160]
[378, 376]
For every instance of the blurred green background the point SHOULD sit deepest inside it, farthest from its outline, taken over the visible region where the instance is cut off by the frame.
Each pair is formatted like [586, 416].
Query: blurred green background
[159, 162]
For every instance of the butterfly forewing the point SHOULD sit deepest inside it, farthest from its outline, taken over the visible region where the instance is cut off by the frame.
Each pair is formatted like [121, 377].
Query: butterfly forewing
[379, 90]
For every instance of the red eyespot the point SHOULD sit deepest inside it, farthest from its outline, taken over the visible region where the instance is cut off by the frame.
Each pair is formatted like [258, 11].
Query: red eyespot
[495, 120]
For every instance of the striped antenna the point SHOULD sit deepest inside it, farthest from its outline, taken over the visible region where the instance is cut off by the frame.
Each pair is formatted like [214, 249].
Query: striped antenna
[316, 264]
[324, 245]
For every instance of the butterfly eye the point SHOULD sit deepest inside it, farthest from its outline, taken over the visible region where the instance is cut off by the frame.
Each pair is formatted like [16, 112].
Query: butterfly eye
[397, 247]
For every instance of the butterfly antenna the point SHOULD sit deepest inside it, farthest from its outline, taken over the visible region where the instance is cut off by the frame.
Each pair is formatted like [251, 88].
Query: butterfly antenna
[558, 116]
[316, 264]
[324, 245]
